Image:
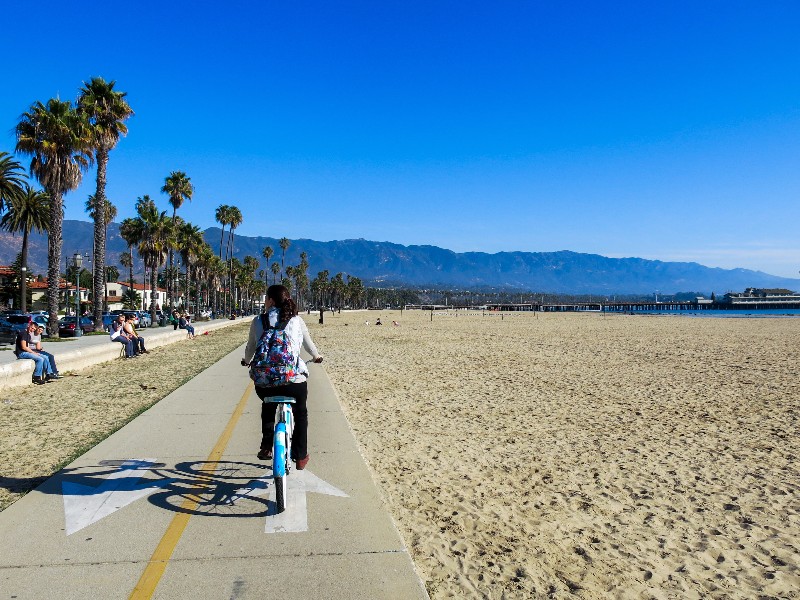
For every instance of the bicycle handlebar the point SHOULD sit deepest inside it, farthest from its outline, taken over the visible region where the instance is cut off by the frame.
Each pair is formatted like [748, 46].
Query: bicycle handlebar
[317, 360]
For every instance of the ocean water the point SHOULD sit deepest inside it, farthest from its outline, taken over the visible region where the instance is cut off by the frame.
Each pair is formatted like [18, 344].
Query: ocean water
[751, 313]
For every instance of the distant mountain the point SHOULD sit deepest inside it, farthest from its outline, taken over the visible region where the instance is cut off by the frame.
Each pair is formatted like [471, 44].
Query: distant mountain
[384, 263]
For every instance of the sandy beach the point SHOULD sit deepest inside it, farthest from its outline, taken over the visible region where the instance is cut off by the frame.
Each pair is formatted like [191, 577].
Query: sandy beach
[577, 455]
[528, 456]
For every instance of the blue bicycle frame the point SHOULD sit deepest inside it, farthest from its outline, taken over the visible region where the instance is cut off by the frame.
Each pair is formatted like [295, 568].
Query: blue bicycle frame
[281, 447]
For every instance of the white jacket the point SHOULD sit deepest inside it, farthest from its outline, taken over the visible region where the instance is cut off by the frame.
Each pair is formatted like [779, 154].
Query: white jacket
[298, 335]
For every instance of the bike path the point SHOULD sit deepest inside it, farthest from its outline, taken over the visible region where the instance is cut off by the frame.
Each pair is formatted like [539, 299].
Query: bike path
[176, 505]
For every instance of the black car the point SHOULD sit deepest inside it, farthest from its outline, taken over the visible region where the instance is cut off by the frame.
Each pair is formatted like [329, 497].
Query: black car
[66, 326]
[7, 333]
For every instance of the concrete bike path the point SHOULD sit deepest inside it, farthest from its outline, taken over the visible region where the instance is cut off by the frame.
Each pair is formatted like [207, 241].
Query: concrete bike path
[176, 505]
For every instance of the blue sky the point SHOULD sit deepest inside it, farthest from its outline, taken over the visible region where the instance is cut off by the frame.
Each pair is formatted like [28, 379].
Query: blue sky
[663, 130]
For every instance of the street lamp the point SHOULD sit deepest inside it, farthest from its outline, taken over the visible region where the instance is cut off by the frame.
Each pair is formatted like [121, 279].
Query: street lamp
[77, 261]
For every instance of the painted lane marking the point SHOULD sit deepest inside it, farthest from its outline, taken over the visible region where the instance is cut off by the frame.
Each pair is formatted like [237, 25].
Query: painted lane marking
[85, 504]
[295, 518]
[160, 558]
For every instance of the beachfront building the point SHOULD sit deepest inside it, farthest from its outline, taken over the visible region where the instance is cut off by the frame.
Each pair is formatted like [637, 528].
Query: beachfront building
[117, 289]
[758, 297]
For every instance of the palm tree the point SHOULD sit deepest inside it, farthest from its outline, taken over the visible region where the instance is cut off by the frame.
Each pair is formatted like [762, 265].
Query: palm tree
[58, 140]
[234, 220]
[26, 211]
[179, 188]
[191, 244]
[130, 230]
[267, 253]
[222, 215]
[275, 268]
[284, 243]
[250, 266]
[12, 179]
[110, 215]
[105, 110]
[216, 271]
[156, 229]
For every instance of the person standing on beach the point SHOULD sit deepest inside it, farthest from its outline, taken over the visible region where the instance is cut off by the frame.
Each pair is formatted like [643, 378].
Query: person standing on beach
[282, 313]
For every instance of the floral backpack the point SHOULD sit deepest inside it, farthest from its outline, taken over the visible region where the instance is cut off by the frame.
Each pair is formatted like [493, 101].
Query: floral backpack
[273, 363]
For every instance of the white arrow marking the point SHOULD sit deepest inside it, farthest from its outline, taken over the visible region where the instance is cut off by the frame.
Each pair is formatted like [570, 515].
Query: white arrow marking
[84, 504]
[295, 518]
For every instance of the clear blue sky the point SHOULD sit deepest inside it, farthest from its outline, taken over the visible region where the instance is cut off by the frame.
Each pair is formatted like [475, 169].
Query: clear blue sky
[664, 130]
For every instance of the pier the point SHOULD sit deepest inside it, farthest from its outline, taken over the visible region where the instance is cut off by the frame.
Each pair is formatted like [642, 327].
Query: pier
[613, 307]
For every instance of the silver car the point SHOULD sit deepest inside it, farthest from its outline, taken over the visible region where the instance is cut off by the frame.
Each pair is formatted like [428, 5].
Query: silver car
[144, 319]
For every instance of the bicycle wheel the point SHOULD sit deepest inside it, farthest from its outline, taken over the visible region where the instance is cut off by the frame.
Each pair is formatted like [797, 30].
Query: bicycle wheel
[280, 494]
[279, 466]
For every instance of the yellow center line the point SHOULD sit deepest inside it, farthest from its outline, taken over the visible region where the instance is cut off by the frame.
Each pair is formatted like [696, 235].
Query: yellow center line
[160, 558]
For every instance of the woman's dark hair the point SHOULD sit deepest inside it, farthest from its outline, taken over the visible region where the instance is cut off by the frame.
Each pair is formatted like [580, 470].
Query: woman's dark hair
[283, 302]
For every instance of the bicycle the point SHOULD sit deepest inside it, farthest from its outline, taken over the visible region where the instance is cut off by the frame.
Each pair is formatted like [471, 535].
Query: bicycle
[282, 447]
[282, 443]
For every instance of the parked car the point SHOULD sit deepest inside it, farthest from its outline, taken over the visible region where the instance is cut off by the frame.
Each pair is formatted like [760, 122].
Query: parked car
[144, 319]
[67, 325]
[19, 321]
[107, 319]
[7, 333]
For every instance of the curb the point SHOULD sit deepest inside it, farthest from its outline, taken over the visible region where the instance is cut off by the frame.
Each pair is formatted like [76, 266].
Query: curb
[20, 372]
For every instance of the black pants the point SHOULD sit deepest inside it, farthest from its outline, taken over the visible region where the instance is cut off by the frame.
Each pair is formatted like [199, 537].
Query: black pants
[298, 391]
[138, 344]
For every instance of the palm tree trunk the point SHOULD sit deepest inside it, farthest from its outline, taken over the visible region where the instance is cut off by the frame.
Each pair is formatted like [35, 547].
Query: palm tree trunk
[54, 243]
[23, 284]
[221, 235]
[130, 270]
[188, 287]
[98, 276]
[153, 272]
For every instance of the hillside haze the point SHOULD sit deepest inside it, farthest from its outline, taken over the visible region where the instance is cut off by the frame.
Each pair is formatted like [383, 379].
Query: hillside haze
[388, 264]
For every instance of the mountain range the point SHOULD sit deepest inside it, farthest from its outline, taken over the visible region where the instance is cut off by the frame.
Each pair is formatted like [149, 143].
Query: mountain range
[386, 264]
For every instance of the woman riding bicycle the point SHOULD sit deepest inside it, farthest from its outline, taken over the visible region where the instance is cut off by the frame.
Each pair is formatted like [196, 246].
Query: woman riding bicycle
[282, 313]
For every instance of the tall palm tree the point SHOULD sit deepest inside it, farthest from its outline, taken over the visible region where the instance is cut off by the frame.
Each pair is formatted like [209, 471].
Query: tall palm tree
[222, 215]
[284, 243]
[179, 188]
[190, 243]
[275, 268]
[110, 215]
[234, 220]
[106, 111]
[131, 231]
[12, 179]
[216, 272]
[58, 140]
[26, 211]
[267, 253]
[156, 230]
[126, 260]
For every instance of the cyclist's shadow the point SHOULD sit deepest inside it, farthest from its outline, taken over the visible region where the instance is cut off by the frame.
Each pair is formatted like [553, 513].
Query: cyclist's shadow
[224, 489]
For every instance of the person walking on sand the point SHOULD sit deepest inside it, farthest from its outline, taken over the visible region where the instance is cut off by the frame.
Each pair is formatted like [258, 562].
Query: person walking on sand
[282, 315]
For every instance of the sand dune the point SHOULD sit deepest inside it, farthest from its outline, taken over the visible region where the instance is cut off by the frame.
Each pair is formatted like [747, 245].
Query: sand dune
[581, 455]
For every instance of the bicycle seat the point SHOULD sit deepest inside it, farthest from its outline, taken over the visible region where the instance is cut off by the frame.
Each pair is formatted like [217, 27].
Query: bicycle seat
[280, 399]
